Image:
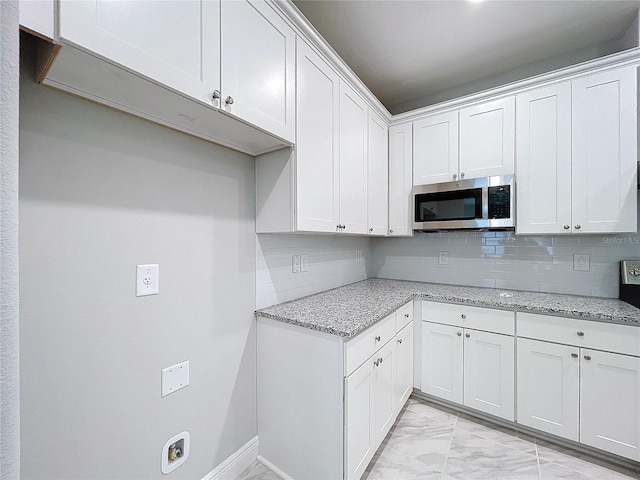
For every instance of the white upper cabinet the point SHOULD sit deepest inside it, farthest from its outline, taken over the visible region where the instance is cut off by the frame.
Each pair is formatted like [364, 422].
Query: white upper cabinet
[378, 175]
[176, 43]
[474, 142]
[258, 66]
[604, 148]
[435, 149]
[487, 136]
[577, 156]
[400, 180]
[37, 17]
[353, 161]
[543, 148]
[317, 143]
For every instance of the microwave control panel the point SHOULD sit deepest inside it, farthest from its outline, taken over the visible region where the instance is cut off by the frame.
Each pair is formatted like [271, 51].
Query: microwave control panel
[500, 201]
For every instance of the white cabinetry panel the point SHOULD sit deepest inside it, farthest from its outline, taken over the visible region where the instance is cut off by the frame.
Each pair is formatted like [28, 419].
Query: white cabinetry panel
[489, 380]
[548, 387]
[604, 144]
[353, 161]
[487, 136]
[404, 367]
[543, 142]
[609, 410]
[359, 429]
[377, 175]
[442, 361]
[317, 143]
[435, 149]
[175, 43]
[400, 180]
[258, 66]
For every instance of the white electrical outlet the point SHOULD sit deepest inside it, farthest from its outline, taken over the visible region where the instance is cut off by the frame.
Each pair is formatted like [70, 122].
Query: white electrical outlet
[295, 264]
[304, 263]
[581, 262]
[147, 277]
[174, 378]
[443, 258]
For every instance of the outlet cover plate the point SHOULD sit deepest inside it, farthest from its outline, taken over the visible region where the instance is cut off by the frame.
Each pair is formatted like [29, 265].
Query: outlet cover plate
[581, 262]
[147, 277]
[174, 378]
[443, 258]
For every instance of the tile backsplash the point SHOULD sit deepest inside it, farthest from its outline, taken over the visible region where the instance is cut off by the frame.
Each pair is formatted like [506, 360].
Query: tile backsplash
[333, 261]
[504, 260]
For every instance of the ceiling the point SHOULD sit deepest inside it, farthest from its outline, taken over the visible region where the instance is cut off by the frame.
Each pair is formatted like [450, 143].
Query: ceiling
[420, 52]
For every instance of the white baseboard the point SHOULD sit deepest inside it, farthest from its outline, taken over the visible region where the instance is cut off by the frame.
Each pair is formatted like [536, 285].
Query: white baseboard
[236, 463]
[273, 468]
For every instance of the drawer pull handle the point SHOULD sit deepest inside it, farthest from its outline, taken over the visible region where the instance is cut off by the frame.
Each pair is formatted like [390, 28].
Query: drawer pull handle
[377, 339]
[574, 355]
[380, 360]
[459, 334]
[406, 315]
[399, 340]
[467, 335]
[463, 316]
[587, 357]
[581, 334]
[377, 362]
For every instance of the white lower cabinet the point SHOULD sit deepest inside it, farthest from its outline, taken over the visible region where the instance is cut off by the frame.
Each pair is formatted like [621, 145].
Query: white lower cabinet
[469, 366]
[548, 387]
[325, 404]
[568, 386]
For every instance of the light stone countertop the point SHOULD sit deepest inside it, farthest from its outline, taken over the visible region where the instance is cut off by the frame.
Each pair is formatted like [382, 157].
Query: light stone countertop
[348, 310]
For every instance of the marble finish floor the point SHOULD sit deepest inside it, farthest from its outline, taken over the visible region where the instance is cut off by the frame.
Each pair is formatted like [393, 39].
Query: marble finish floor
[431, 442]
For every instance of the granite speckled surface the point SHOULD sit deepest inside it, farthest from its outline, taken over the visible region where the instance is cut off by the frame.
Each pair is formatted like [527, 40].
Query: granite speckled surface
[346, 311]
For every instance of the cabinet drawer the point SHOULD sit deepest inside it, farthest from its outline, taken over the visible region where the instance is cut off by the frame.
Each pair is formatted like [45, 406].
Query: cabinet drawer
[610, 337]
[365, 344]
[487, 319]
[404, 316]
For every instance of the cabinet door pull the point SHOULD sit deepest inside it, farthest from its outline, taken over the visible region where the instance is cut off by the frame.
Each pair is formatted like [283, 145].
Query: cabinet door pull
[406, 315]
[215, 95]
[380, 360]
[376, 363]
[455, 175]
[399, 340]
[390, 230]
[574, 355]
[577, 227]
[587, 357]
[371, 229]
[463, 316]
[461, 174]
[580, 334]
[377, 339]
[467, 335]
[459, 334]
[228, 100]
[566, 227]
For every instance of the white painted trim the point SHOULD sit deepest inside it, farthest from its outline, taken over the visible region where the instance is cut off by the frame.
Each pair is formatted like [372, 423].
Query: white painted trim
[236, 463]
[616, 60]
[308, 32]
[273, 468]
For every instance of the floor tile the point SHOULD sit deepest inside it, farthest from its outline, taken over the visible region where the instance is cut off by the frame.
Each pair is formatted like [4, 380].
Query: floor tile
[258, 471]
[554, 471]
[502, 435]
[474, 457]
[389, 464]
[435, 412]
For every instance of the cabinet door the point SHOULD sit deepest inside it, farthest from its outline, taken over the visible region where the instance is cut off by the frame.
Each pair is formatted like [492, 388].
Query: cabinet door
[404, 367]
[176, 43]
[383, 394]
[377, 177]
[317, 143]
[359, 426]
[487, 136]
[258, 66]
[609, 408]
[442, 366]
[400, 180]
[435, 149]
[353, 161]
[543, 171]
[489, 369]
[604, 147]
[548, 387]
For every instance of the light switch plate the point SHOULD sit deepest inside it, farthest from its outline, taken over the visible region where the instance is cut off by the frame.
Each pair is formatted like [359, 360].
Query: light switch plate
[147, 277]
[443, 258]
[581, 262]
[295, 264]
[175, 377]
[304, 263]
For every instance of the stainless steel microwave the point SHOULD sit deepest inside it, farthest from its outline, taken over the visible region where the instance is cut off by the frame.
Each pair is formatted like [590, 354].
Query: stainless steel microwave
[477, 203]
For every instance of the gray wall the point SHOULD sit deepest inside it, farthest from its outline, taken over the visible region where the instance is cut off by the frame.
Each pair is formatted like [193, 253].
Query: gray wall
[9, 367]
[100, 192]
